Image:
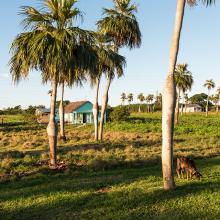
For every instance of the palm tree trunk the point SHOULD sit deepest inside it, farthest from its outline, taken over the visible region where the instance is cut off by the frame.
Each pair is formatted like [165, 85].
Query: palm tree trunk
[169, 99]
[52, 126]
[103, 110]
[61, 114]
[177, 107]
[207, 105]
[139, 109]
[96, 109]
[217, 105]
[182, 105]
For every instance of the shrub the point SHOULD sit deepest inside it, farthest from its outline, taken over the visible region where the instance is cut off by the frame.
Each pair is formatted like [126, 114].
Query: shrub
[120, 113]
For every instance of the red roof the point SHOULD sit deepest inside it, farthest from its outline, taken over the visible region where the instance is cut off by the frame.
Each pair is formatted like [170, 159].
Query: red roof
[73, 106]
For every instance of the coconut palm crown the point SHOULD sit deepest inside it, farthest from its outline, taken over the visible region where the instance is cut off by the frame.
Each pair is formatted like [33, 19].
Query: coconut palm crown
[183, 77]
[121, 24]
[209, 84]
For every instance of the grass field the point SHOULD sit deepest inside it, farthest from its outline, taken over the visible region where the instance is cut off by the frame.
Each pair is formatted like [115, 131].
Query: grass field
[117, 179]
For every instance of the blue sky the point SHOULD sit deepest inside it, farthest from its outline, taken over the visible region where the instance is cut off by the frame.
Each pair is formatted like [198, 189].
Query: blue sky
[146, 67]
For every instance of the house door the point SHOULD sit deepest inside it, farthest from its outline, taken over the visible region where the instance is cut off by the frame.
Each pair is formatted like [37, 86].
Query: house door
[84, 118]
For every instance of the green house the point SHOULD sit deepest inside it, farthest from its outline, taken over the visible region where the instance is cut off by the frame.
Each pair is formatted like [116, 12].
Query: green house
[79, 113]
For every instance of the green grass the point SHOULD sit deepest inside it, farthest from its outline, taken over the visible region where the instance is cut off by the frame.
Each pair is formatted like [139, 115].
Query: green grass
[117, 179]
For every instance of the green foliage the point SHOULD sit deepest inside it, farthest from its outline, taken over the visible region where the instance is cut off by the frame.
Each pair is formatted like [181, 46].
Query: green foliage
[200, 99]
[120, 113]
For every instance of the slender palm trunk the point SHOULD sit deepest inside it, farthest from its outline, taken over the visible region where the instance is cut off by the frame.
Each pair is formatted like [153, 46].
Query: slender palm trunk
[139, 109]
[103, 110]
[217, 104]
[182, 105]
[61, 115]
[96, 109]
[52, 126]
[207, 104]
[169, 99]
[177, 107]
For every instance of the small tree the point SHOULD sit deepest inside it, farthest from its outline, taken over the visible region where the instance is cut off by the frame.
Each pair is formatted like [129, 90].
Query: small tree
[120, 113]
[209, 84]
[123, 98]
[141, 98]
[130, 98]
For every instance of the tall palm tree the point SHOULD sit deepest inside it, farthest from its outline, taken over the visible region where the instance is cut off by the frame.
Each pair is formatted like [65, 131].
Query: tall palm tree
[209, 84]
[109, 62]
[141, 98]
[218, 93]
[169, 96]
[130, 98]
[121, 25]
[55, 48]
[123, 98]
[184, 80]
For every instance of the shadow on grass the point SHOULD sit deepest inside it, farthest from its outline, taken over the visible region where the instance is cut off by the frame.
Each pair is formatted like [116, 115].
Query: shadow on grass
[118, 194]
[20, 126]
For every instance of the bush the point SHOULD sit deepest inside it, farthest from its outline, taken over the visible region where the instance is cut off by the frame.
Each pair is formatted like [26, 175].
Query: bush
[120, 113]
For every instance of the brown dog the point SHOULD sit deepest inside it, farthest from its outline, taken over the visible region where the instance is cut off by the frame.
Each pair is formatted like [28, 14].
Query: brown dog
[184, 163]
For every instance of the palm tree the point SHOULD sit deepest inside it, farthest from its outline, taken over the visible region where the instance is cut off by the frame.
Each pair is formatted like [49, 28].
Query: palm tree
[218, 93]
[120, 24]
[186, 99]
[159, 100]
[109, 62]
[169, 97]
[51, 45]
[123, 98]
[209, 84]
[184, 80]
[214, 99]
[149, 99]
[130, 98]
[141, 98]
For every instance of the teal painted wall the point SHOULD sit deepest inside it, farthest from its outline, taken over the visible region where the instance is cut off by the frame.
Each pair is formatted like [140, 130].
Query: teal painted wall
[87, 107]
[76, 117]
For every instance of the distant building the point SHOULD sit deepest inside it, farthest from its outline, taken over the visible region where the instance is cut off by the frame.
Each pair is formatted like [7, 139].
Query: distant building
[43, 115]
[192, 108]
[80, 112]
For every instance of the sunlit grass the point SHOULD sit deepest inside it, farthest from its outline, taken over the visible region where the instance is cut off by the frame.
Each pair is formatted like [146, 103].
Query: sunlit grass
[117, 179]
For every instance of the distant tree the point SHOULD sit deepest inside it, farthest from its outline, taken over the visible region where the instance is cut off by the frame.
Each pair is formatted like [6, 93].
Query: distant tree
[218, 93]
[123, 98]
[130, 98]
[186, 99]
[184, 81]
[149, 99]
[158, 101]
[209, 84]
[141, 98]
[200, 99]
[120, 113]
[214, 99]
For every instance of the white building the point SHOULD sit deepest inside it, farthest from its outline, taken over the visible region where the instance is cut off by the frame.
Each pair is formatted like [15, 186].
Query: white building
[192, 108]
